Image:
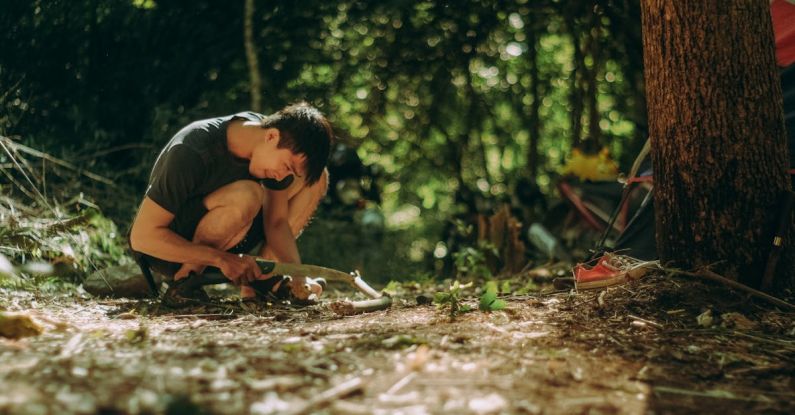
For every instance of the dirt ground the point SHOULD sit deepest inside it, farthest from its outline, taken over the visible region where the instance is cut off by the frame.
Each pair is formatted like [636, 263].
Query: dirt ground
[660, 345]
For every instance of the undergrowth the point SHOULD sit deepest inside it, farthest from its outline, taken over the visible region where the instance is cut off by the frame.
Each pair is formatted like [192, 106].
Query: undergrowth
[49, 239]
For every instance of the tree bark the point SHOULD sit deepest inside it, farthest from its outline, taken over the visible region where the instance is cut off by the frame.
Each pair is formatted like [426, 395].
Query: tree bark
[535, 107]
[255, 82]
[575, 90]
[717, 133]
[594, 130]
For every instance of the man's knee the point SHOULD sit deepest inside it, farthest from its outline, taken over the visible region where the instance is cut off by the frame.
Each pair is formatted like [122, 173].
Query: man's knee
[303, 204]
[241, 199]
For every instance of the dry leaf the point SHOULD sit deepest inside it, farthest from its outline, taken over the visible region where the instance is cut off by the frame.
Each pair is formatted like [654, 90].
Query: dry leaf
[18, 325]
[737, 321]
[705, 319]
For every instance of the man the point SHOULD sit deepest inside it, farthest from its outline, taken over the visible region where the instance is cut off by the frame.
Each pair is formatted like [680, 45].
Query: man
[223, 186]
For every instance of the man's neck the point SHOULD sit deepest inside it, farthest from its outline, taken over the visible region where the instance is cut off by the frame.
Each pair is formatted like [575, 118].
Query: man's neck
[242, 137]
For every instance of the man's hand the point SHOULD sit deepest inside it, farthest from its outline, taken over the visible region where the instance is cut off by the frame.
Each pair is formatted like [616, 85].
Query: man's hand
[241, 269]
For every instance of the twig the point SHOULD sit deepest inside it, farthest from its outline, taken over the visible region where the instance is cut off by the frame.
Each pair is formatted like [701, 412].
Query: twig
[11, 144]
[401, 383]
[503, 382]
[653, 323]
[709, 275]
[62, 163]
[19, 185]
[601, 298]
[347, 308]
[107, 151]
[716, 394]
[781, 343]
[216, 316]
[339, 391]
[15, 205]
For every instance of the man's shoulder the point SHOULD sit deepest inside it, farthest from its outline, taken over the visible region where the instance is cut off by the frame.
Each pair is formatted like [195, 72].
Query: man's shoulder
[205, 138]
[205, 134]
[248, 116]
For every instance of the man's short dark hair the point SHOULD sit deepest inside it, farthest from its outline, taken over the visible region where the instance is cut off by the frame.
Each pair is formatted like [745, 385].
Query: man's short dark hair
[304, 130]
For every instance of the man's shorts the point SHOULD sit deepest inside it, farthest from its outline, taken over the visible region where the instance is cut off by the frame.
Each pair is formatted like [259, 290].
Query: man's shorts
[184, 224]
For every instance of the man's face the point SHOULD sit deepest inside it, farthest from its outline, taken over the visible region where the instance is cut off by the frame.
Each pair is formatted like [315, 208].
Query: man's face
[268, 161]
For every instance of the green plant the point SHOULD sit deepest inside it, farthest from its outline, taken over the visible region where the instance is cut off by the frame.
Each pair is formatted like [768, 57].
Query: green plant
[472, 261]
[451, 299]
[56, 245]
[528, 287]
[489, 300]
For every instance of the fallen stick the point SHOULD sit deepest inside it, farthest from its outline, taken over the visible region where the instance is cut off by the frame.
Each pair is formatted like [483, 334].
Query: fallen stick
[643, 320]
[741, 395]
[709, 275]
[348, 308]
[401, 383]
[216, 316]
[339, 391]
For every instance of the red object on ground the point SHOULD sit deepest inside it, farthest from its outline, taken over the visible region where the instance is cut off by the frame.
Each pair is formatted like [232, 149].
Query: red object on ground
[783, 14]
[601, 271]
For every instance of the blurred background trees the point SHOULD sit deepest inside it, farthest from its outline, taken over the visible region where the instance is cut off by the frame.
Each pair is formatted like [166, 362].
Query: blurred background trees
[450, 105]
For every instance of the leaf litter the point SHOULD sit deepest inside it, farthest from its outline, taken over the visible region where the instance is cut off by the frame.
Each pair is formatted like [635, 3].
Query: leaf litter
[645, 346]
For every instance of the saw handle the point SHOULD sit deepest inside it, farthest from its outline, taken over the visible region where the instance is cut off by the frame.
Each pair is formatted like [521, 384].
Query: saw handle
[210, 278]
[194, 281]
[266, 267]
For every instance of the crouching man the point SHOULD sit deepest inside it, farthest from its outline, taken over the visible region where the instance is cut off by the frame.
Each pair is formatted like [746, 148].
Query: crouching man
[225, 187]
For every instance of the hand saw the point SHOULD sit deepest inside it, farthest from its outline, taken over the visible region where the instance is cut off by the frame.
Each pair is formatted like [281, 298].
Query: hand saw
[284, 268]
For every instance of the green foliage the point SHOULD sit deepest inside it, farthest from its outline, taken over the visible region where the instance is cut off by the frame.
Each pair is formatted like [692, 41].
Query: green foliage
[440, 97]
[528, 287]
[379, 255]
[489, 300]
[471, 258]
[505, 288]
[451, 300]
[393, 288]
[52, 251]
[471, 261]
[137, 336]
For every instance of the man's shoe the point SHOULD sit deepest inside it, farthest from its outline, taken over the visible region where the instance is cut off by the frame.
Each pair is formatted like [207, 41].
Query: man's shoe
[179, 295]
[265, 288]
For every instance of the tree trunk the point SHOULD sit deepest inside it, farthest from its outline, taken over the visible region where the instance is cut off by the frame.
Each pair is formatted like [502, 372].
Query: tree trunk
[575, 90]
[535, 107]
[594, 130]
[717, 134]
[255, 83]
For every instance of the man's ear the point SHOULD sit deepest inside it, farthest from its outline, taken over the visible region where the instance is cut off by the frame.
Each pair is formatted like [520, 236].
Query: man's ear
[272, 134]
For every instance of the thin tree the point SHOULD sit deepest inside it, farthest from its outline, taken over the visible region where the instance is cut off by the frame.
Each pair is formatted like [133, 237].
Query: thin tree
[717, 133]
[255, 82]
[590, 76]
[534, 117]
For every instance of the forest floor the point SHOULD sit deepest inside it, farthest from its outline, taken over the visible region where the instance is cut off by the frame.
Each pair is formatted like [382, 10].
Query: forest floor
[659, 345]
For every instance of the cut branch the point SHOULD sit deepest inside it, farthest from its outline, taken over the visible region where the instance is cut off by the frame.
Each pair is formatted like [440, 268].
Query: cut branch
[711, 276]
[348, 308]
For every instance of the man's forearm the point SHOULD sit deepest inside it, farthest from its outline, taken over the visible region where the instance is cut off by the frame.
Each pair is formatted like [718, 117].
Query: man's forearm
[165, 244]
[281, 243]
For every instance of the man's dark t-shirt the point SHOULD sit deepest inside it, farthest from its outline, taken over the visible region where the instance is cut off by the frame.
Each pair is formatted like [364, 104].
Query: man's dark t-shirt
[196, 162]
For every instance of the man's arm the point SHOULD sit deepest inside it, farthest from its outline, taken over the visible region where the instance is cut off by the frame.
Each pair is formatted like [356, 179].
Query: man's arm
[150, 235]
[297, 210]
[281, 244]
[287, 212]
